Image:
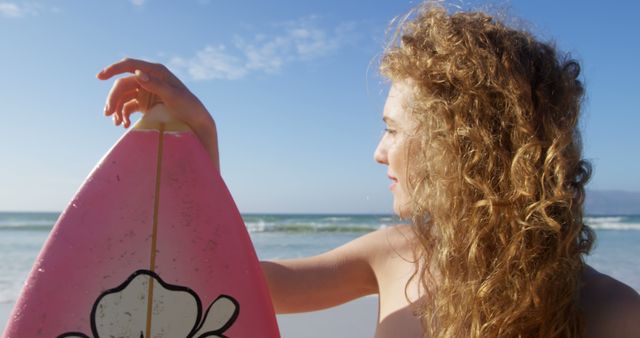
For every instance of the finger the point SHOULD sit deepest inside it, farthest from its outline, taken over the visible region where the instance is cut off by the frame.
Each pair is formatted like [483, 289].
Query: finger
[126, 65]
[124, 98]
[146, 99]
[129, 108]
[120, 87]
[155, 85]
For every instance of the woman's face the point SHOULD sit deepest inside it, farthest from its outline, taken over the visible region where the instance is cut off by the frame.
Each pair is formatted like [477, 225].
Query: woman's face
[392, 149]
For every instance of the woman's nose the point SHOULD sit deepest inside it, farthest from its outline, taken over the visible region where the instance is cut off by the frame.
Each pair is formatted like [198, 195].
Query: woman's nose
[380, 154]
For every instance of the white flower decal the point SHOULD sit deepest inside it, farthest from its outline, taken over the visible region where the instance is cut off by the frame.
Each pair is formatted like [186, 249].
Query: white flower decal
[176, 311]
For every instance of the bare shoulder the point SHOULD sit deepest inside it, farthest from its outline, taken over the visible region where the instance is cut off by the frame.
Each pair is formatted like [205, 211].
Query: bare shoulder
[378, 244]
[392, 238]
[375, 247]
[611, 308]
[386, 238]
[392, 248]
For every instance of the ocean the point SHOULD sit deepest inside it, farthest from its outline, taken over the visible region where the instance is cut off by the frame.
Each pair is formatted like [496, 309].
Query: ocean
[22, 234]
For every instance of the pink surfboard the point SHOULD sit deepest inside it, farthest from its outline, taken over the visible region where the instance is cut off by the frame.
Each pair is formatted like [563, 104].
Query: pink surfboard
[152, 245]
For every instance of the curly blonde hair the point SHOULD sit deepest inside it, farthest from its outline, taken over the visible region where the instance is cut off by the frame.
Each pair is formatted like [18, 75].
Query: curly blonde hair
[496, 176]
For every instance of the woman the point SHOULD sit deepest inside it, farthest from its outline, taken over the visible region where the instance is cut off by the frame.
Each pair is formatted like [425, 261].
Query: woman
[484, 153]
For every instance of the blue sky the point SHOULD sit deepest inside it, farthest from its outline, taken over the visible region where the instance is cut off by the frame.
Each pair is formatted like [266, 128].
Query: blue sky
[292, 85]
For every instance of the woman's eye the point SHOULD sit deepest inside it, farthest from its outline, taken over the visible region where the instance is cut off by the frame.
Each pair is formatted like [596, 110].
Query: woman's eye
[389, 131]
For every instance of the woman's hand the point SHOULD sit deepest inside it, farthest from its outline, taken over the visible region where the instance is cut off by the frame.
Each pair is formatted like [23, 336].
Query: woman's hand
[156, 79]
[127, 92]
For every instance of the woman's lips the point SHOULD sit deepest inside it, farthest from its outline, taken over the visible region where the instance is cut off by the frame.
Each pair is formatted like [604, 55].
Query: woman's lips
[395, 180]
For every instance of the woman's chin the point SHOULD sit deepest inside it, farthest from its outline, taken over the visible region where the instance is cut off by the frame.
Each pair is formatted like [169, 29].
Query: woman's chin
[401, 211]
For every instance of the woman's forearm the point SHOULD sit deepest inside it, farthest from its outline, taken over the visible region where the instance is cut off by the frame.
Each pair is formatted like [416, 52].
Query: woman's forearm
[315, 283]
[208, 136]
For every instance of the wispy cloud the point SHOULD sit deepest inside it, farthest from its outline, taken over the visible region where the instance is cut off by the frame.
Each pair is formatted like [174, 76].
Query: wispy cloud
[142, 2]
[24, 9]
[10, 10]
[212, 62]
[297, 41]
[14, 10]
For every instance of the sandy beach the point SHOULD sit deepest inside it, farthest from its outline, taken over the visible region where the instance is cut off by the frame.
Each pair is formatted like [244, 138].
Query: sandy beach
[356, 319]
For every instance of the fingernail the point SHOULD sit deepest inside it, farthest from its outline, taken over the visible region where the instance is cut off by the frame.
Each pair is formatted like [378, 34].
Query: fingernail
[142, 75]
[106, 108]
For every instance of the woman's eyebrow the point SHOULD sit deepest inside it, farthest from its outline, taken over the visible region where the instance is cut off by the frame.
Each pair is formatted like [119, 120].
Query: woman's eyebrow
[387, 119]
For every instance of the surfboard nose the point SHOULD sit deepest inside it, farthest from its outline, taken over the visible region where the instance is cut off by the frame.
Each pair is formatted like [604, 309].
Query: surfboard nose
[156, 116]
